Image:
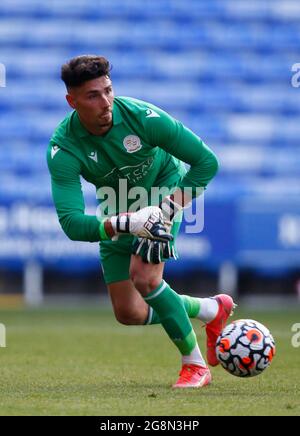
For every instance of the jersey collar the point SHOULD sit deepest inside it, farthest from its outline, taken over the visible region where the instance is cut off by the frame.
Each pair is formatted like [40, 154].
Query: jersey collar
[82, 132]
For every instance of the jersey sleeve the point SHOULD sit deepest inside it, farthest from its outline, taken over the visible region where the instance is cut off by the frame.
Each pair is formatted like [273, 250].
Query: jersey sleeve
[172, 136]
[68, 197]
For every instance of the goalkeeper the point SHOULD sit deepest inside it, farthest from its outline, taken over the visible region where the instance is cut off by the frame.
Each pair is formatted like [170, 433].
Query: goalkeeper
[120, 144]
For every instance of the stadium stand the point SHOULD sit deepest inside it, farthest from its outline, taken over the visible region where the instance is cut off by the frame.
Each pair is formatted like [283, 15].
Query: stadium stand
[223, 68]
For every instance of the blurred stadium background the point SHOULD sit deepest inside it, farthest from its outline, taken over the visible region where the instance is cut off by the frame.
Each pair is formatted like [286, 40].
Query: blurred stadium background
[224, 68]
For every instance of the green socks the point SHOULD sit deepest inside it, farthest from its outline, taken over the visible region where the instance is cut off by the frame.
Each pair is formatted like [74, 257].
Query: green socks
[171, 310]
[191, 305]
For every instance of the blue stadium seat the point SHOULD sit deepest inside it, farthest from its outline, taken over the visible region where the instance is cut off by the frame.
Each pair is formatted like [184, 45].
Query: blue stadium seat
[231, 9]
[222, 67]
[57, 32]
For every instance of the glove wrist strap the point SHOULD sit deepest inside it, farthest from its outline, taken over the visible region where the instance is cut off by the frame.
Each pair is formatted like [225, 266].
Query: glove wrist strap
[169, 207]
[121, 223]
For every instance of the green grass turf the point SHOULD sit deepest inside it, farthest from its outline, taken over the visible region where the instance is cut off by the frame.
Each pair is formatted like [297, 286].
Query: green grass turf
[82, 362]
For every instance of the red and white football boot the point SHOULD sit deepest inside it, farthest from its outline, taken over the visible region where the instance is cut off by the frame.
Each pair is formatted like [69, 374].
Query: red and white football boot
[193, 376]
[215, 327]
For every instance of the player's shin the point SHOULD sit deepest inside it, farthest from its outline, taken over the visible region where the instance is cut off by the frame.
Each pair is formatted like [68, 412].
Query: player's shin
[170, 309]
[204, 309]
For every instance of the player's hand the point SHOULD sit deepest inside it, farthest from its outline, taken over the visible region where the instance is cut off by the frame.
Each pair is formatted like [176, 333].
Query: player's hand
[169, 209]
[146, 223]
[153, 251]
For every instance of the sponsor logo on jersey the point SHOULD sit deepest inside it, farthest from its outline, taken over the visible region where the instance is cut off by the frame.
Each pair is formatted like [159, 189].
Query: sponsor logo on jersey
[94, 156]
[152, 114]
[55, 149]
[132, 173]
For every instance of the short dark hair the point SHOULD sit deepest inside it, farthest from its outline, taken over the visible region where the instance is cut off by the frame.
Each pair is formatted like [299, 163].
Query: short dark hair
[83, 68]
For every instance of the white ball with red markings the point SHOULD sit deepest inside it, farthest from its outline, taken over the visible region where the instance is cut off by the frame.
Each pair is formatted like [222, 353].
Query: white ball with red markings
[245, 348]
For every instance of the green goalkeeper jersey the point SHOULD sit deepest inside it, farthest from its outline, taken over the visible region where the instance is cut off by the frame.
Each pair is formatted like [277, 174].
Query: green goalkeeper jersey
[145, 148]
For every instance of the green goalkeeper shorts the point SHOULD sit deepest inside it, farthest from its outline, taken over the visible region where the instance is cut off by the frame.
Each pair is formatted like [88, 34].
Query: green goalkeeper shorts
[115, 255]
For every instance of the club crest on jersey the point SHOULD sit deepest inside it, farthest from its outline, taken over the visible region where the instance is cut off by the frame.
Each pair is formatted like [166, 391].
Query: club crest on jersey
[132, 143]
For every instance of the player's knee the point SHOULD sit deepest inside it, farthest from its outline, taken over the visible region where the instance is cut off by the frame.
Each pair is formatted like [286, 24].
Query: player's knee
[144, 283]
[128, 317]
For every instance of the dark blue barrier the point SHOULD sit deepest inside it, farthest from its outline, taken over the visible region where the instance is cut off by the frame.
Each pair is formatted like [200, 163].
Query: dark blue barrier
[269, 233]
[253, 232]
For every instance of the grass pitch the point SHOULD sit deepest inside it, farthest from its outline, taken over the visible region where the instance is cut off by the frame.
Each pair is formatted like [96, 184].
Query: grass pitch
[82, 362]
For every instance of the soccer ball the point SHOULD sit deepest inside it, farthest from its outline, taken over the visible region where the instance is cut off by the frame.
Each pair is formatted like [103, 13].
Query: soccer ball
[245, 348]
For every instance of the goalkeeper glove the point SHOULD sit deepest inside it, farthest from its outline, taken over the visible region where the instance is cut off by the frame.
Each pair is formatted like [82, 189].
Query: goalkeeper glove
[153, 251]
[170, 208]
[146, 223]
